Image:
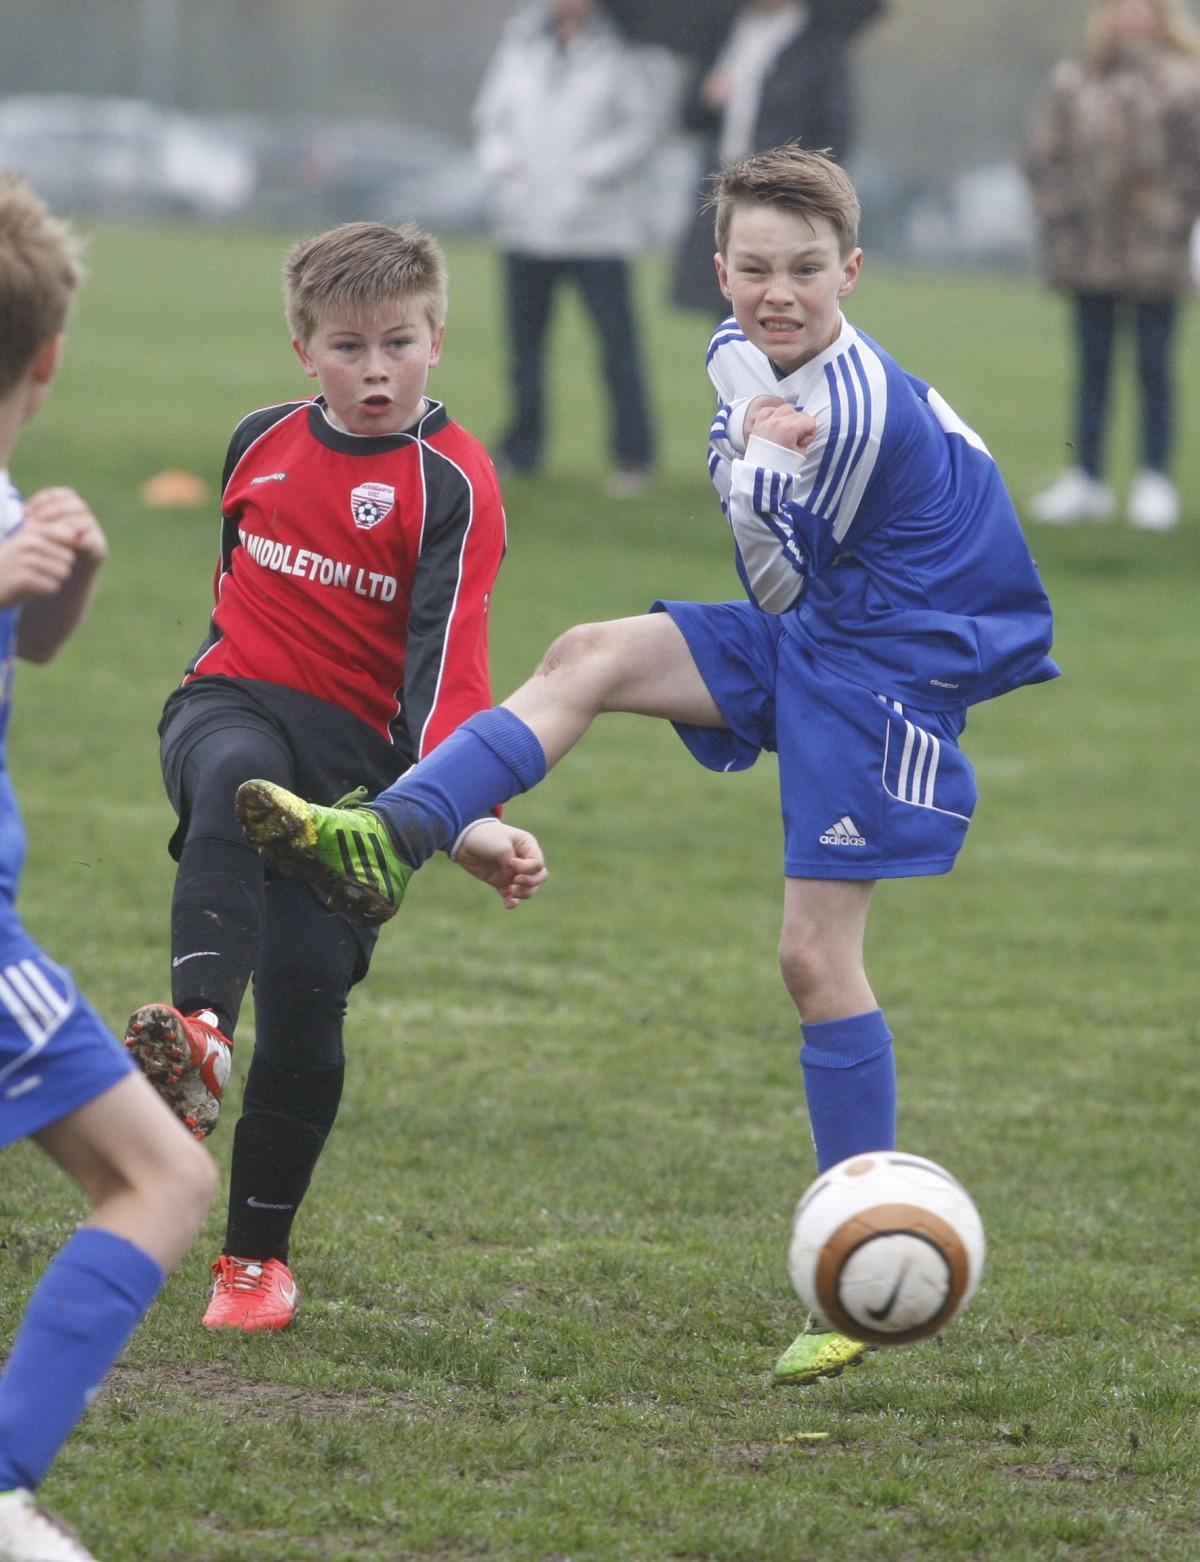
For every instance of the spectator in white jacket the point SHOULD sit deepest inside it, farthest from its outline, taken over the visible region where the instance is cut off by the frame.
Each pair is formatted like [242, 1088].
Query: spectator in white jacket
[567, 118]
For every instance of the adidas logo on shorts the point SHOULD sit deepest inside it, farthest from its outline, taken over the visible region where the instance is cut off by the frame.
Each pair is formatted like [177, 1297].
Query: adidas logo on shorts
[843, 833]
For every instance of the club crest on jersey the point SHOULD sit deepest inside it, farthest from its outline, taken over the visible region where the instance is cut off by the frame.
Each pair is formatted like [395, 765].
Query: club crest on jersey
[371, 503]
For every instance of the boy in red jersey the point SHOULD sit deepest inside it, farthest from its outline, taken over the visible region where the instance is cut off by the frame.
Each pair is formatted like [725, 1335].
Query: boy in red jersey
[361, 535]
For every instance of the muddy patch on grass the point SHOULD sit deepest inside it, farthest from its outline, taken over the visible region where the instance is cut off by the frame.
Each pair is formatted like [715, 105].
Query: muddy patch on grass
[219, 1385]
[1060, 1470]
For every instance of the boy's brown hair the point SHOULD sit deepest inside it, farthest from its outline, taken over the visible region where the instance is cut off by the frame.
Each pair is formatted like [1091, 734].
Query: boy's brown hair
[359, 266]
[40, 269]
[808, 184]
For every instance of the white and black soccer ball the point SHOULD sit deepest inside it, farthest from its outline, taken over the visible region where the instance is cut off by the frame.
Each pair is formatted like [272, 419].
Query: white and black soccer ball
[886, 1247]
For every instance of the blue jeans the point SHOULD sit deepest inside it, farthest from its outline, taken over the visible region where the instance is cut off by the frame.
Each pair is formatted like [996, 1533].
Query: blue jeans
[531, 282]
[1098, 316]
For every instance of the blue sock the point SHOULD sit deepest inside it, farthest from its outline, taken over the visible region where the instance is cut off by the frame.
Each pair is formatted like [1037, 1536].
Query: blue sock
[850, 1082]
[489, 759]
[84, 1309]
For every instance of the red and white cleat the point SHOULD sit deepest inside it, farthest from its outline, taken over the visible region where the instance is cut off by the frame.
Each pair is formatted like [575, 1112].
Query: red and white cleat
[186, 1058]
[251, 1293]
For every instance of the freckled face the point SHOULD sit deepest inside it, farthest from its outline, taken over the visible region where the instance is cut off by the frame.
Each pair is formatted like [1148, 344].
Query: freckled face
[785, 276]
[373, 367]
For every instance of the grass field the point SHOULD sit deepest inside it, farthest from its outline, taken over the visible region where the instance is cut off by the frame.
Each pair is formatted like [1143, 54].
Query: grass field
[542, 1266]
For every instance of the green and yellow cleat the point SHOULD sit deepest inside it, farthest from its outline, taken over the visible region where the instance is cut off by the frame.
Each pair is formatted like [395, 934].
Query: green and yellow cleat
[345, 851]
[815, 1353]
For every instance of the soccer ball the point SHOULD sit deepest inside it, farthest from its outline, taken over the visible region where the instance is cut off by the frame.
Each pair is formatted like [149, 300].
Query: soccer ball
[886, 1247]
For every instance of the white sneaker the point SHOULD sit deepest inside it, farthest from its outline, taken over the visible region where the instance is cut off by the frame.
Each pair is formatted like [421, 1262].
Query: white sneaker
[1072, 498]
[1153, 503]
[627, 482]
[29, 1534]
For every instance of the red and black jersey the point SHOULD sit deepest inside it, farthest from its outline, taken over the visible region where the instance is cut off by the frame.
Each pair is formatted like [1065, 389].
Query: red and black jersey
[359, 568]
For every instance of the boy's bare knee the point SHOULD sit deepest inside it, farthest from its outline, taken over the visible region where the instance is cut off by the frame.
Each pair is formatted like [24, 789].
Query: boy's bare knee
[802, 967]
[574, 648]
[825, 978]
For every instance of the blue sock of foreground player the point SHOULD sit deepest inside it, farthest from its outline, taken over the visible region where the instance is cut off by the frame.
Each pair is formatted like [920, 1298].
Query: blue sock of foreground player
[850, 1082]
[489, 759]
[85, 1307]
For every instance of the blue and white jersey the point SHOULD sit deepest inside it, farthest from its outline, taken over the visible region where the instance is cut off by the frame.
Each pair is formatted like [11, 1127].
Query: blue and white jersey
[12, 832]
[890, 545]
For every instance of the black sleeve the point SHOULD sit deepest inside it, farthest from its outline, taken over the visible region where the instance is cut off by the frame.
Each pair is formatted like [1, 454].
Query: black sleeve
[252, 427]
[444, 678]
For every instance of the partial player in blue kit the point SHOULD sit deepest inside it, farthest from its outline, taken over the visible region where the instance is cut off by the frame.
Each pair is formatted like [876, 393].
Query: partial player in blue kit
[888, 588]
[65, 1081]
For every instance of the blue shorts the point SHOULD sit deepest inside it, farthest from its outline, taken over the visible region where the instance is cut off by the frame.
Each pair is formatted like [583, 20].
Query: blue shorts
[56, 1054]
[870, 789]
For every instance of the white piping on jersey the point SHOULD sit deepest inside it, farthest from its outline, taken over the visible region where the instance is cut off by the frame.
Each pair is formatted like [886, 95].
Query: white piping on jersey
[719, 428]
[35, 1005]
[212, 618]
[300, 407]
[398, 694]
[770, 552]
[728, 331]
[437, 687]
[12, 506]
[950, 422]
[845, 389]
[847, 393]
[857, 390]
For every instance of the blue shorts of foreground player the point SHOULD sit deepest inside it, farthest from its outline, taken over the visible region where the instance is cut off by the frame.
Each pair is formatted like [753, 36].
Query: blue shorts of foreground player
[870, 789]
[56, 1054]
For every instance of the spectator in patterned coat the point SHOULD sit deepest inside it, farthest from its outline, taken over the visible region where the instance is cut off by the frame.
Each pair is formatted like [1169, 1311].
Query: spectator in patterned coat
[1113, 158]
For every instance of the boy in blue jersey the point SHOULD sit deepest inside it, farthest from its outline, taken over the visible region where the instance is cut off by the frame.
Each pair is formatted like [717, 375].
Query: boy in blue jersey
[65, 1081]
[888, 586]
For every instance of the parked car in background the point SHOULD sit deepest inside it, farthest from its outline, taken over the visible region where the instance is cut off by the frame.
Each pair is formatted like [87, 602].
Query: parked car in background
[326, 169]
[980, 217]
[123, 157]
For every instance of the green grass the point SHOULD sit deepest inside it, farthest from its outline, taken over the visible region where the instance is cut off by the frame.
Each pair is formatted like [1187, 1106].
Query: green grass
[542, 1265]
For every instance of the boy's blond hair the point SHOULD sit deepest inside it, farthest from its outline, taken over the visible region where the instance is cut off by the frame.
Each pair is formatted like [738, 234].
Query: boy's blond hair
[359, 266]
[807, 184]
[40, 269]
[1175, 28]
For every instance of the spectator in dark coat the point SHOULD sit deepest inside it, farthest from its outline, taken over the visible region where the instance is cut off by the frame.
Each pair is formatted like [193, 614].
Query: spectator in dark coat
[782, 72]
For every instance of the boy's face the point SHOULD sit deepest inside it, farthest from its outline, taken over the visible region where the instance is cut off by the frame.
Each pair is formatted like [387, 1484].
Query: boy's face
[372, 367]
[785, 276]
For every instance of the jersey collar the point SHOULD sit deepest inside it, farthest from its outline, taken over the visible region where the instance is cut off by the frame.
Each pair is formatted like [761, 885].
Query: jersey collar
[799, 381]
[430, 422]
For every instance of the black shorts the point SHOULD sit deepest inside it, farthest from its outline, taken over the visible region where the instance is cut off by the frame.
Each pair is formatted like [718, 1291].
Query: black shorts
[331, 751]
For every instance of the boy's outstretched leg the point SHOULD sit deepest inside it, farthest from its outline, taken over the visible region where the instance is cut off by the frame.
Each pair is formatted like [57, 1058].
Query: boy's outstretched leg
[363, 855]
[849, 1068]
[343, 850]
